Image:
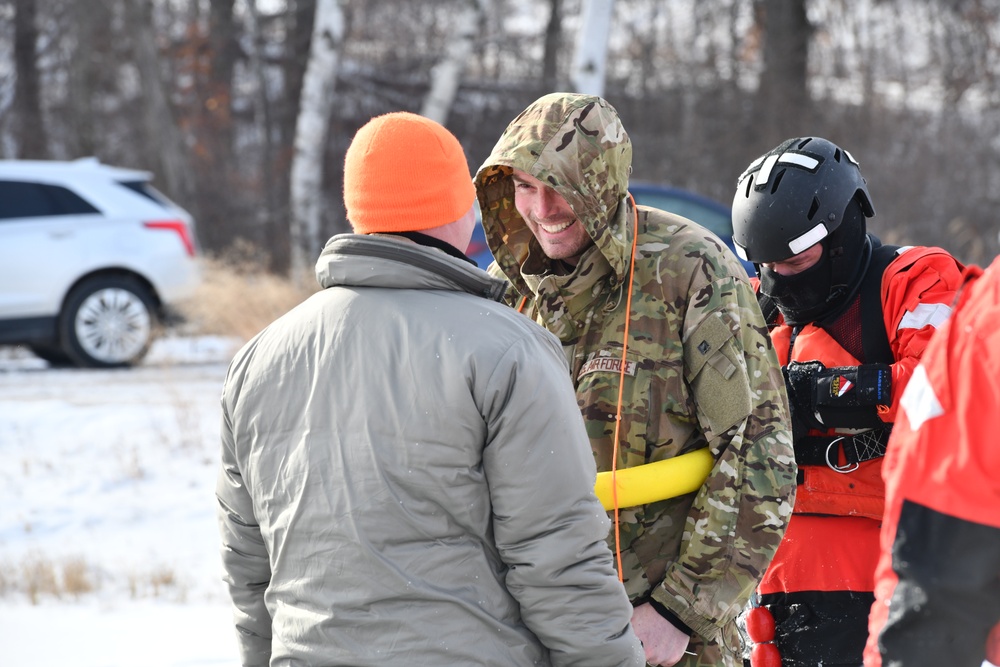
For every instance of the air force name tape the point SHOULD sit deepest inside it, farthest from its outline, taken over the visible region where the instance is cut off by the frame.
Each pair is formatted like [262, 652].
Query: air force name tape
[610, 364]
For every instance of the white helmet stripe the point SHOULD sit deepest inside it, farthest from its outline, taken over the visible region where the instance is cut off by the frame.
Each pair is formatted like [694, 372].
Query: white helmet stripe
[764, 175]
[809, 239]
[797, 159]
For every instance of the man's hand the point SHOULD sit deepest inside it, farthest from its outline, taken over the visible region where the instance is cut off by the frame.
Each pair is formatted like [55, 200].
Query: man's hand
[664, 644]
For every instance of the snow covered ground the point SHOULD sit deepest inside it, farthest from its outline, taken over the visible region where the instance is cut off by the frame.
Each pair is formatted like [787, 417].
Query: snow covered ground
[108, 478]
[107, 482]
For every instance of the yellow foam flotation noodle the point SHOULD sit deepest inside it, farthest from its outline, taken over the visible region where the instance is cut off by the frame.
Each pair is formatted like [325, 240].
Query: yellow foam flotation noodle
[660, 480]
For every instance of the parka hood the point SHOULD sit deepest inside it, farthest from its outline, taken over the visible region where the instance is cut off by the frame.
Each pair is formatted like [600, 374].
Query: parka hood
[577, 145]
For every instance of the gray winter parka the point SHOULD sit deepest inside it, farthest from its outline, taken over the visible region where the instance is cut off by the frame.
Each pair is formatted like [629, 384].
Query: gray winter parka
[406, 479]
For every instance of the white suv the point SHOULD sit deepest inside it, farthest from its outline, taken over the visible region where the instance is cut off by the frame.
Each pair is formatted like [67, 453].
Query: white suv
[91, 259]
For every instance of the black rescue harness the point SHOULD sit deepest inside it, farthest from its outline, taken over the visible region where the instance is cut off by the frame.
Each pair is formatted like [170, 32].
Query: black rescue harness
[843, 453]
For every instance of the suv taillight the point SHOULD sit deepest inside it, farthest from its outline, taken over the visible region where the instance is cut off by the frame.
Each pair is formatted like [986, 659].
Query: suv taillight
[178, 226]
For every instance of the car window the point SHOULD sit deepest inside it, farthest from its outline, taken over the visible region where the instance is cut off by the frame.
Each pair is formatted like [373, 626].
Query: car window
[718, 223]
[29, 200]
[146, 190]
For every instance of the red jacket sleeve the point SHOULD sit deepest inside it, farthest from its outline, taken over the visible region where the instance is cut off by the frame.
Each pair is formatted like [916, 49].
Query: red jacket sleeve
[918, 289]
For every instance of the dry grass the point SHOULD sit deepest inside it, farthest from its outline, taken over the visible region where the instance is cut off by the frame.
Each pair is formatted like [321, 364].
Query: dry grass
[239, 297]
[156, 583]
[39, 576]
[162, 578]
[76, 577]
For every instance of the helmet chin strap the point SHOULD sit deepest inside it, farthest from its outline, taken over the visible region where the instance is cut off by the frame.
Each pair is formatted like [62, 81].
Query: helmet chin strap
[850, 253]
[842, 294]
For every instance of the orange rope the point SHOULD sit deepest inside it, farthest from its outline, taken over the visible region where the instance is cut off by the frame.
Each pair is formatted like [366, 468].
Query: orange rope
[621, 386]
[621, 389]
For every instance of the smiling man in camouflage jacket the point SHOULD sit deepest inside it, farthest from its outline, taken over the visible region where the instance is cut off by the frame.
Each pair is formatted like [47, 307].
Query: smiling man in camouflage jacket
[699, 368]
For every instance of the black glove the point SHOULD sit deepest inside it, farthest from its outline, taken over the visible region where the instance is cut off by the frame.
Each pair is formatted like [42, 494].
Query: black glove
[800, 380]
[845, 396]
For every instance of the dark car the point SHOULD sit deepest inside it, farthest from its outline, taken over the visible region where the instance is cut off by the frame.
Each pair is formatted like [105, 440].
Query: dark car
[708, 213]
[478, 250]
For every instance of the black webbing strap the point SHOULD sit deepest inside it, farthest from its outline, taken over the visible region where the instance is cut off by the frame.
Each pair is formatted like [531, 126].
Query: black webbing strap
[826, 450]
[874, 337]
[769, 309]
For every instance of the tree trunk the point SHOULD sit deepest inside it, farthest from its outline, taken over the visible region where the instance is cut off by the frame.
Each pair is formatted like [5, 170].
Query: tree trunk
[92, 39]
[299, 18]
[311, 131]
[553, 44]
[276, 235]
[161, 130]
[783, 95]
[591, 55]
[447, 74]
[222, 39]
[29, 126]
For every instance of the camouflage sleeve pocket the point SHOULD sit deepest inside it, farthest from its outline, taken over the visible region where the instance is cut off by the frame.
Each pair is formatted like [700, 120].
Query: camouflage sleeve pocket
[718, 380]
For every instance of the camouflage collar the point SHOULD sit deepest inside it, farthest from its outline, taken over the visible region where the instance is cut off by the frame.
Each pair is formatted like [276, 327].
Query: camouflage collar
[568, 305]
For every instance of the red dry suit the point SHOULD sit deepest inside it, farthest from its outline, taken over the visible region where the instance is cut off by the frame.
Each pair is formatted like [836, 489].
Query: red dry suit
[819, 586]
[938, 577]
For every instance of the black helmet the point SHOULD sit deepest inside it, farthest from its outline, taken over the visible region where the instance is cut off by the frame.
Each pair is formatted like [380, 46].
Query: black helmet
[794, 197]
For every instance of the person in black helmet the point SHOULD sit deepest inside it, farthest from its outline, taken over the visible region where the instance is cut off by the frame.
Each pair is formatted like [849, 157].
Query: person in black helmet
[849, 318]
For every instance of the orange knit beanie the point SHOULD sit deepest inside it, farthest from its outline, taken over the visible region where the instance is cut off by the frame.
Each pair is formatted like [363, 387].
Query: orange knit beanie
[405, 173]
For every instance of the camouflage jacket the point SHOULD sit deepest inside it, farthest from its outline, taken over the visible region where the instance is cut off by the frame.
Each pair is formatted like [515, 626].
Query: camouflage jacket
[700, 367]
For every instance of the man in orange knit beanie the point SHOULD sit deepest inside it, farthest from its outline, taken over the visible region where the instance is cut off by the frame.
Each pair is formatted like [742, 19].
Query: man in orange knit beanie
[405, 173]
[405, 475]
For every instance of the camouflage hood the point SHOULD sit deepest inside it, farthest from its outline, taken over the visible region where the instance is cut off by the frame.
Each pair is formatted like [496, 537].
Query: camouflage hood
[577, 145]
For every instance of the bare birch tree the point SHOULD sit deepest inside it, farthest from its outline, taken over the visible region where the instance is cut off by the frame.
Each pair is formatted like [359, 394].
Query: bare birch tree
[447, 74]
[311, 129]
[591, 54]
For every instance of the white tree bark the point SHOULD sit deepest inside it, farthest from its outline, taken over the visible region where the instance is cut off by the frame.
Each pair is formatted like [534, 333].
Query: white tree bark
[591, 54]
[311, 129]
[447, 74]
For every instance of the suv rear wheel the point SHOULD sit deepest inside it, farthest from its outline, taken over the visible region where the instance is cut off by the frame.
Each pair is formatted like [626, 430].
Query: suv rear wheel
[107, 322]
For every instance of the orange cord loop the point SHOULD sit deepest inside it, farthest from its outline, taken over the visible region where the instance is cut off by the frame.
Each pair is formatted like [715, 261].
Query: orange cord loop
[621, 385]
